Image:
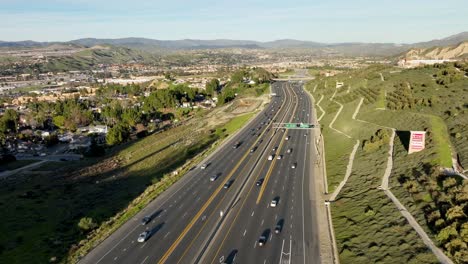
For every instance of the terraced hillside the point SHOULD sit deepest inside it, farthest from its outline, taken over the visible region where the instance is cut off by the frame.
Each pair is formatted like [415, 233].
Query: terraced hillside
[360, 117]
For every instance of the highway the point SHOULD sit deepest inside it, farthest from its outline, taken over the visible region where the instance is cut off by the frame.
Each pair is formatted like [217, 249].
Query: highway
[198, 221]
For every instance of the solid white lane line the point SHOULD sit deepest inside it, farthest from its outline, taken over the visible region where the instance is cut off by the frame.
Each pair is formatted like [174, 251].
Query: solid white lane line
[144, 244]
[262, 222]
[245, 231]
[255, 244]
[281, 256]
[118, 243]
[253, 212]
[145, 260]
[166, 234]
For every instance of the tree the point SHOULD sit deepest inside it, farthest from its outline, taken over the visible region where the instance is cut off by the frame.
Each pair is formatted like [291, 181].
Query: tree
[455, 212]
[59, 121]
[86, 224]
[447, 233]
[9, 121]
[211, 87]
[449, 183]
[117, 135]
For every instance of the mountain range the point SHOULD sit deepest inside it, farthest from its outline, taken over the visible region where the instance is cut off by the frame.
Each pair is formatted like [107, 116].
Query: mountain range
[154, 45]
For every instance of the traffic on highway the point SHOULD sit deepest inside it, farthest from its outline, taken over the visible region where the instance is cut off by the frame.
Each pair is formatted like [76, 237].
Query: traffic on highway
[247, 202]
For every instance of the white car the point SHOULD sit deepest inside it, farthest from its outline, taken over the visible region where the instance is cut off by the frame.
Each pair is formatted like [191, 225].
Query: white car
[279, 157]
[213, 178]
[203, 166]
[289, 150]
[270, 157]
[293, 166]
[287, 138]
[143, 236]
[273, 203]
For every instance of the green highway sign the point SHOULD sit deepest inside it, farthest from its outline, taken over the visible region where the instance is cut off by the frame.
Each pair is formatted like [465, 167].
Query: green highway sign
[295, 125]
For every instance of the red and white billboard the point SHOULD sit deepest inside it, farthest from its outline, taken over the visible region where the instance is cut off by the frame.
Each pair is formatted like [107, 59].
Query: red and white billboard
[417, 141]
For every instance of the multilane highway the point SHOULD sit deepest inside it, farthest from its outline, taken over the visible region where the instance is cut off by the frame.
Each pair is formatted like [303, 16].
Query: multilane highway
[198, 221]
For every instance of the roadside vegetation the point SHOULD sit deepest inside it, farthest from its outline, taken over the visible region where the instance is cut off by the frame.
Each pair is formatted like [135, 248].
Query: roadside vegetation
[68, 208]
[368, 227]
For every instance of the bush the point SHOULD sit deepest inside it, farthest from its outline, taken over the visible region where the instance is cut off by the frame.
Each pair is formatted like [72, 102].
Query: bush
[87, 224]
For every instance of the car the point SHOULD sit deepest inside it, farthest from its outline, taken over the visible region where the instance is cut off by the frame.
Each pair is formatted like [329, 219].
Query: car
[278, 228]
[274, 203]
[287, 138]
[275, 148]
[236, 145]
[228, 184]
[203, 166]
[289, 150]
[231, 257]
[213, 178]
[270, 157]
[252, 150]
[294, 165]
[262, 240]
[145, 220]
[259, 182]
[143, 236]
[279, 157]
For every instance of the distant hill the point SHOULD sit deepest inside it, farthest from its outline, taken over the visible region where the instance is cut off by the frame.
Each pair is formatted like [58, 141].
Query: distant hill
[79, 58]
[459, 51]
[338, 49]
[99, 54]
[448, 41]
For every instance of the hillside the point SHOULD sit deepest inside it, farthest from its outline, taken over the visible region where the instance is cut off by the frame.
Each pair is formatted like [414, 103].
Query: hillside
[366, 126]
[326, 49]
[59, 57]
[459, 51]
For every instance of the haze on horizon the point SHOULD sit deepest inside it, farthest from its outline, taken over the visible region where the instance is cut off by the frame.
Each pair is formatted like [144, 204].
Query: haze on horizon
[331, 21]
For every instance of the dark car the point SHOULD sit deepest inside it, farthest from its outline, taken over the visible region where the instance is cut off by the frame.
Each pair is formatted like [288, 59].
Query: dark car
[279, 226]
[145, 220]
[228, 184]
[236, 145]
[259, 182]
[264, 238]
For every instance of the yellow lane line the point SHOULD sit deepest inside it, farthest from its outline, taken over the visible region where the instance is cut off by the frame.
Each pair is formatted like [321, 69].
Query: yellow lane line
[208, 202]
[219, 203]
[270, 170]
[234, 221]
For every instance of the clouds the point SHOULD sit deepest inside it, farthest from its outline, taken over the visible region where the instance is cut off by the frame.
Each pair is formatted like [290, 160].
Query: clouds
[326, 21]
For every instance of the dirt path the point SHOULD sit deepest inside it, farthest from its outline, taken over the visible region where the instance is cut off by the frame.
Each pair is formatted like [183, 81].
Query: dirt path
[414, 224]
[321, 109]
[349, 169]
[411, 220]
[6, 174]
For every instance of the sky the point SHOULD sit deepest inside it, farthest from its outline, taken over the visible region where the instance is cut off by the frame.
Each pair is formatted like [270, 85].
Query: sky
[329, 21]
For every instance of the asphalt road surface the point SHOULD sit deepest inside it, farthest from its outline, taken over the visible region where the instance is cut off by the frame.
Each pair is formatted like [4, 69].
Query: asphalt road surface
[198, 221]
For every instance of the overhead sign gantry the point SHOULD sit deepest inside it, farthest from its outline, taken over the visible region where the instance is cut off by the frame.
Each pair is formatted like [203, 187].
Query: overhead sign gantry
[295, 125]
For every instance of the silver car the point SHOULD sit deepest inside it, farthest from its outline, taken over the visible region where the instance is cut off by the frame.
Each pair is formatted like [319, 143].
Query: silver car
[143, 236]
